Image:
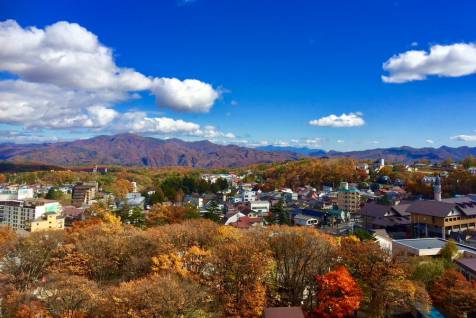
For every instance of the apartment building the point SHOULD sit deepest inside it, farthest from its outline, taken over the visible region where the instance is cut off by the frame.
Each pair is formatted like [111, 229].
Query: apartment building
[348, 199]
[84, 194]
[18, 213]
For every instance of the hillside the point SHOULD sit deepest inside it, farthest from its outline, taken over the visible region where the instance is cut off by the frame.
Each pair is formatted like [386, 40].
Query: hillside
[134, 150]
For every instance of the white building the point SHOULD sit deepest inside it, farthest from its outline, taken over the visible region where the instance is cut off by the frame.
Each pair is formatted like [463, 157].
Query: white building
[16, 194]
[305, 220]
[248, 196]
[18, 213]
[261, 207]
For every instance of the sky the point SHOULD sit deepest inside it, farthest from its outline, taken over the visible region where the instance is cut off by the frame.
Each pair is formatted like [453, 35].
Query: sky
[342, 75]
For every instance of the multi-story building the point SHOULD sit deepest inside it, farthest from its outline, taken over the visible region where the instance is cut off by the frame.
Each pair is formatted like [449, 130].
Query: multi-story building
[84, 194]
[16, 193]
[348, 199]
[441, 218]
[46, 222]
[17, 213]
[248, 196]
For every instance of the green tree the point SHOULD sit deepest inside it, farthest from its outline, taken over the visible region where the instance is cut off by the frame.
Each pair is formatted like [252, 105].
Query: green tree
[278, 215]
[449, 251]
[213, 212]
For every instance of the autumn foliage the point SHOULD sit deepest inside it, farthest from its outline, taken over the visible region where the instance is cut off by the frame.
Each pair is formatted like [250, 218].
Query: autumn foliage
[339, 295]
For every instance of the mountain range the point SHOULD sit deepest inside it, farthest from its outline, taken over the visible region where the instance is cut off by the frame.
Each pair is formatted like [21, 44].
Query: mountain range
[134, 150]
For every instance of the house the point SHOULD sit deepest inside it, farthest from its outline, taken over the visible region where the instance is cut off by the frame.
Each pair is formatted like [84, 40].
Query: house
[47, 221]
[234, 218]
[18, 213]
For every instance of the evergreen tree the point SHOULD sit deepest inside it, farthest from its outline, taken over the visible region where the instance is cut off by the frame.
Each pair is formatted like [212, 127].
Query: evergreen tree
[213, 212]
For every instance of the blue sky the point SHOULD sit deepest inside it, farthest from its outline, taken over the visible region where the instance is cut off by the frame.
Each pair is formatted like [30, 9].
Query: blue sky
[265, 71]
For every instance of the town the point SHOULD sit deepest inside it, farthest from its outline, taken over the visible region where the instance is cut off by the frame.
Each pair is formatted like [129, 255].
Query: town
[379, 202]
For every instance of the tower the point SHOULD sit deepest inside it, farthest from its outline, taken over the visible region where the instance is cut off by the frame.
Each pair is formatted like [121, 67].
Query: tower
[437, 189]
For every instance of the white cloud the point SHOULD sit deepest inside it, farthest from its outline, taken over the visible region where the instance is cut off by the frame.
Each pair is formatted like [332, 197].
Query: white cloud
[340, 141]
[453, 60]
[24, 137]
[67, 73]
[344, 120]
[189, 95]
[430, 141]
[464, 138]
[414, 43]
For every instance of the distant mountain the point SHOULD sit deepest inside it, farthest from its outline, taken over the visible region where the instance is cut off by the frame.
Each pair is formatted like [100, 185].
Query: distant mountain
[134, 150]
[408, 154]
[300, 150]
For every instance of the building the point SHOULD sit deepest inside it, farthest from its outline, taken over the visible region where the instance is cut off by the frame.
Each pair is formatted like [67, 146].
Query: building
[16, 194]
[426, 247]
[395, 218]
[467, 266]
[248, 196]
[17, 213]
[260, 207]
[84, 194]
[348, 199]
[441, 218]
[47, 221]
[305, 220]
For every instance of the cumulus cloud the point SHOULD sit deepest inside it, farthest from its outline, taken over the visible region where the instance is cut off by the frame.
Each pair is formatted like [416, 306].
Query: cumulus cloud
[453, 60]
[340, 141]
[430, 141]
[189, 95]
[344, 120]
[68, 79]
[464, 138]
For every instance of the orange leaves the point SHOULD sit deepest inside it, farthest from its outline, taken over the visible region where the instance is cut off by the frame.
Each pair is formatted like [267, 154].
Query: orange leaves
[339, 295]
[455, 295]
[169, 214]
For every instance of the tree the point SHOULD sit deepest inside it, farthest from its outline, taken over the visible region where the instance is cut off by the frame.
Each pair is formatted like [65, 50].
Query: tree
[339, 295]
[427, 270]
[169, 214]
[3, 178]
[121, 188]
[100, 211]
[449, 251]
[155, 296]
[385, 283]
[469, 162]
[239, 265]
[299, 254]
[213, 212]
[278, 215]
[54, 194]
[454, 295]
[67, 296]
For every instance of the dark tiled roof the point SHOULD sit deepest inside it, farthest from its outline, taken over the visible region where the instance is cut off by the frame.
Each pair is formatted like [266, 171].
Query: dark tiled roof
[431, 208]
[374, 209]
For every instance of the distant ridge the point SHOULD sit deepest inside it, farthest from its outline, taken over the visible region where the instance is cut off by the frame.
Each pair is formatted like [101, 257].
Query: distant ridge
[408, 154]
[300, 150]
[134, 150]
